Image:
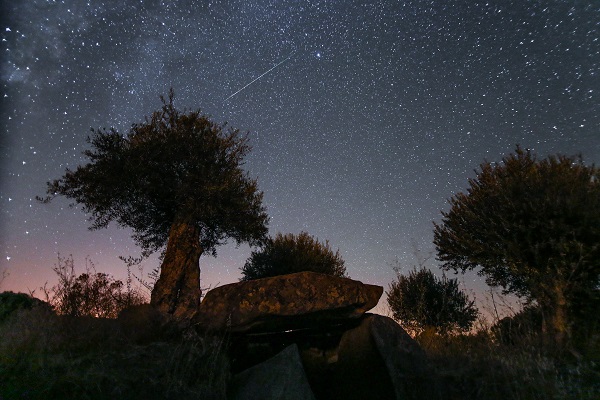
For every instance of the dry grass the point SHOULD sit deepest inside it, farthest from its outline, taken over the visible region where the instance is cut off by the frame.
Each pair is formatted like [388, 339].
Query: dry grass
[45, 356]
[477, 366]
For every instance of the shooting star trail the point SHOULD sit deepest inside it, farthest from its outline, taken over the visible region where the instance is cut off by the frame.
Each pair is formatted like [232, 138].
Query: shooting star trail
[260, 76]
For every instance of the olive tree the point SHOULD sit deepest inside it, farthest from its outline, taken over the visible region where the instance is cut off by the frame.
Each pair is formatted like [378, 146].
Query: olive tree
[532, 227]
[177, 181]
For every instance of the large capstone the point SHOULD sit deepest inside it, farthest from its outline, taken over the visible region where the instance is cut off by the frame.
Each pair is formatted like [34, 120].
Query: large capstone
[294, 301]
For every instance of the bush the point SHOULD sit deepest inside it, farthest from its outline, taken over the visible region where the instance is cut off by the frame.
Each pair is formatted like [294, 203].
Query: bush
[92, 293]
[11, 302]
[421, 300]
[286, 254]
[521, 328]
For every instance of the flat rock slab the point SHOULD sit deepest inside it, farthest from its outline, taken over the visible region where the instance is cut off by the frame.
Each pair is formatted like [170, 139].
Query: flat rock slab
[405, 361]
[279, 378]
[300, 300]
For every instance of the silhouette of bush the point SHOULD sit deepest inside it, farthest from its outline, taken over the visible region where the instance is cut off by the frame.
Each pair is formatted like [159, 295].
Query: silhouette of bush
[287, 254]
[420, 300]
[11, 302]
[92, 293]
[520, 328]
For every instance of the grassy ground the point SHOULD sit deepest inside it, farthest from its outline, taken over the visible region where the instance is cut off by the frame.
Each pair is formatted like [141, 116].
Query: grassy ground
[44, 356]
[479, 367]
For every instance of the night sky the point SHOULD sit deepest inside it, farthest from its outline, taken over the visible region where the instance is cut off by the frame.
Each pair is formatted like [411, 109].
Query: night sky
[364, 116]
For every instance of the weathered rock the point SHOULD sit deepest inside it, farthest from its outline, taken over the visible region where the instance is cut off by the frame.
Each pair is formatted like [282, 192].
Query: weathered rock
[281, 377]
[404, 359]
[375, 360]
[300, 300]
[353, 371]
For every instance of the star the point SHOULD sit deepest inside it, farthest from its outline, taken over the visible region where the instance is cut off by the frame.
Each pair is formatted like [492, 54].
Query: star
[363, 117]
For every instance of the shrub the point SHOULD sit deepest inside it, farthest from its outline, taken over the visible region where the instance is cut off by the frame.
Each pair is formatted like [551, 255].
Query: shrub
[11, 302]
[92, 293]
[286, 254]
[421, 300]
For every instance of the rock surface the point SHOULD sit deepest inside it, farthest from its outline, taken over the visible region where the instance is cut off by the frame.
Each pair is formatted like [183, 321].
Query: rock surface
[405, 361]
[375, 360]
[356, 370]
[299, 300]
[281, 377]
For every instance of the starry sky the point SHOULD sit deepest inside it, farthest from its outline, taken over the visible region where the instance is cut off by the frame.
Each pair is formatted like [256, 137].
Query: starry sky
[364, 116]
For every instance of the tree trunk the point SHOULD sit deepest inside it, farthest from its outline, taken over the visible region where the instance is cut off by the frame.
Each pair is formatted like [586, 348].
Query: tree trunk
[558, 319]
[177, 291]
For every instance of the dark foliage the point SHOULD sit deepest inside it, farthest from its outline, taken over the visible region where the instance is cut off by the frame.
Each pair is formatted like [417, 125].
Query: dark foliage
[175, 166]
[286, 254]
[532, 227]
[421, 300]
[175, 180]
[45, 356]
[523, 327]
[11, 302]
[94, 294]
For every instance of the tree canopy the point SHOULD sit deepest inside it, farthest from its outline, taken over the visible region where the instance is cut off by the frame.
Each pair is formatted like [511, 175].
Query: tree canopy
[421, 300]
[286, 254]
[531, 226]
[177, 181]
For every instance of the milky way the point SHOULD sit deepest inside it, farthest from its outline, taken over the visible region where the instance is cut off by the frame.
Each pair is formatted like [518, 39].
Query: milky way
[381, 112]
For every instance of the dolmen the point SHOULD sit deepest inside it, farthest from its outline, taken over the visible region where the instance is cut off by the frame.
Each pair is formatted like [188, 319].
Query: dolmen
[308, 336]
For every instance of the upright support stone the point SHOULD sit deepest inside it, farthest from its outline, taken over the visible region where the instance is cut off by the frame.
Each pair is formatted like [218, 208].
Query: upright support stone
[281, 377]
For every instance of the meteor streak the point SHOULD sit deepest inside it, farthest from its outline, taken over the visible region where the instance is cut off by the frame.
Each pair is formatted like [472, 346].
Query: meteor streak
[260, 76]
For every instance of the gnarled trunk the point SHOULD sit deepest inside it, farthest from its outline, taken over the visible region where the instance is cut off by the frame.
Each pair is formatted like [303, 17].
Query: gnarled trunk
[559, 318]
[555, 326]
[177, 291]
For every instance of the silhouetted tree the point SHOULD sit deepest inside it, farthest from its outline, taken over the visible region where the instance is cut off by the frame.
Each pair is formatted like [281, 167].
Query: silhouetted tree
[286, 254]
[176, 180]
[532, 227]
[421, 300]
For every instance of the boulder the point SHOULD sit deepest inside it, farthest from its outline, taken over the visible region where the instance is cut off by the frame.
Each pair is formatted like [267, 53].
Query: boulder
[293, 301]
[375, 360]
[281, 377]
[405, 361]
[352, 371]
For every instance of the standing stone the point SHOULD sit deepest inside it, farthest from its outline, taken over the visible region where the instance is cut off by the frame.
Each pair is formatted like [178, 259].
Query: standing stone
[359, 371]
[375, 360]
[405, 361]
[281, 377]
